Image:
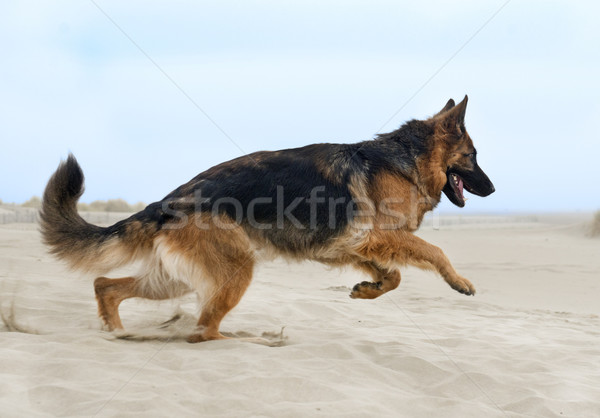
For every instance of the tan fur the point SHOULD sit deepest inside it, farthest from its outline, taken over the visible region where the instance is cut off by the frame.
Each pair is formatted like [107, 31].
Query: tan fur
[384, 280]
[217, 263]
[215, 257]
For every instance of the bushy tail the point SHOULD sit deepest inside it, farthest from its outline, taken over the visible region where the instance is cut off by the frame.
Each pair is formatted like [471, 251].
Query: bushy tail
[82, 245]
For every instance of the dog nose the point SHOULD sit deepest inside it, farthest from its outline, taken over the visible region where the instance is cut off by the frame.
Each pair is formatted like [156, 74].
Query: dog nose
[492, 188]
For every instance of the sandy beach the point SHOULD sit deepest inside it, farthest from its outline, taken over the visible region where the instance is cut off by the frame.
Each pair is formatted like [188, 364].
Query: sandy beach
[527, 345]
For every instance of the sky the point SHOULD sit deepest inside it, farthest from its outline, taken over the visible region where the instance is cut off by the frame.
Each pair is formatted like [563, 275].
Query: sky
[148, 94]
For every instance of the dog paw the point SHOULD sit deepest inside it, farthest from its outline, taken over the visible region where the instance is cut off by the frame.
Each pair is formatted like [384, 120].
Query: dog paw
[366, 290]
[462, 285]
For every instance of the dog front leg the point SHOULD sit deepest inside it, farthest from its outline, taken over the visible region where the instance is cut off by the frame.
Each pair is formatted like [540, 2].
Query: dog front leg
[384, 280]
[393, 248]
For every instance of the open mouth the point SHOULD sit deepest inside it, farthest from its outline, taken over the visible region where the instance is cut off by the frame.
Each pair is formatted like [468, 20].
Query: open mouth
[474, 181]
[454, 189]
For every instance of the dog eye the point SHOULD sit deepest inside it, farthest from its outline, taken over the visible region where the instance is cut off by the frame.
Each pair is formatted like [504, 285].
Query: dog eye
[469, 155]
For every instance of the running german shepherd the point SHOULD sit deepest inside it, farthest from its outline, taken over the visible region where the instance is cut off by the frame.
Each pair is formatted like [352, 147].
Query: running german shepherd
[338, 204]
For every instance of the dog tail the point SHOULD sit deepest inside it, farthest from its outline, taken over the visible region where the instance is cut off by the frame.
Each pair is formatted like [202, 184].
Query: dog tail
[84, 246]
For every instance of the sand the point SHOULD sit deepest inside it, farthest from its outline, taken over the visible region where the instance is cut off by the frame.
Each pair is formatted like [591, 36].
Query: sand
[527, 345]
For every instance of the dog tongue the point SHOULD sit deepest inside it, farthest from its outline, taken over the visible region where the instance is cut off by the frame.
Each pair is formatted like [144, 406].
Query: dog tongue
[460, 187]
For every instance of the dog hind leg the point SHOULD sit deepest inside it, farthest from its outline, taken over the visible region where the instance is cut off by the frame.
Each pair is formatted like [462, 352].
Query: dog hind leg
[230, 286]
[111, 292]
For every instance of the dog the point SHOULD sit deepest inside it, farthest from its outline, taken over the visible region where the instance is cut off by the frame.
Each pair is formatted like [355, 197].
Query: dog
[339, 204]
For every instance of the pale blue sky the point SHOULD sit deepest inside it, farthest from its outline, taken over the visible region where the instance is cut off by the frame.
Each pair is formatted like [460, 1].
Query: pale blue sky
[280, 74]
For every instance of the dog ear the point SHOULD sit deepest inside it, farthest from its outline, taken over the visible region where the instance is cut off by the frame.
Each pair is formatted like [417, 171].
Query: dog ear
[453, 120]
[446, 108]
[456, 115]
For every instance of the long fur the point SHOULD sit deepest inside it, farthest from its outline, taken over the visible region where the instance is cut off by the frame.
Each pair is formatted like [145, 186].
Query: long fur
[204, 235]
[83, 246]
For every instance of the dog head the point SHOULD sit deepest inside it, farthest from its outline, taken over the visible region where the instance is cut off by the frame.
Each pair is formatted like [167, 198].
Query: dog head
[460, 159]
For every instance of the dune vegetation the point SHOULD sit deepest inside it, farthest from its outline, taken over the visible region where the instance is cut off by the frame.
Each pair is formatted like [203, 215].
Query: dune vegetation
[595, 225]
[111, 205]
